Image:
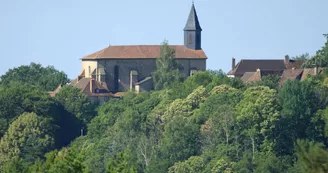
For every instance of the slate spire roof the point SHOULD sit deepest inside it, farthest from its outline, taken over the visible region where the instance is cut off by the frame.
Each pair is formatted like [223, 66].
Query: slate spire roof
[192, 22]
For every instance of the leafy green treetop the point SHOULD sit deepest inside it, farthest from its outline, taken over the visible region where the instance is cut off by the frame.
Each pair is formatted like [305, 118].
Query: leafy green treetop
[29, 137]
[46, 78]
[167, 68]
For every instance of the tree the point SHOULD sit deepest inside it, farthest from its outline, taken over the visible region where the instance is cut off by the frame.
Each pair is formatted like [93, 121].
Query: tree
[15, 165]
[65, 161]
[45, 78]
[219, 95]
[268, 162]
[167, 68]
[180, 139]
[303, 57]
[193, 164]
[27, 132]
[76, 103]
[313, 156]
[200, 78]
[320, 59]
[299, 103]
[16, 100]
[120, 164]
[271, 81]
[225, 120]
[257, 114]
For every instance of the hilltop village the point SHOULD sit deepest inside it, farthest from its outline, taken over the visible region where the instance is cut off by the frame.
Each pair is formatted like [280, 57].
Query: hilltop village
[114, 70]
[159, 109]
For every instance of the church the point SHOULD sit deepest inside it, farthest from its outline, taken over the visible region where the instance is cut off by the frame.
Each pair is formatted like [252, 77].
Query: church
[115, 69]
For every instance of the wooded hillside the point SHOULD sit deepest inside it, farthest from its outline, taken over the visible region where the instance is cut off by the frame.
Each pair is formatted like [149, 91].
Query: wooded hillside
[208, 123]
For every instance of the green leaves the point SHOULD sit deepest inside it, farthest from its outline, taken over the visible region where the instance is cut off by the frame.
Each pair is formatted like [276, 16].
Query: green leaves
[167, 68]
[313, 156]
[320, 59]
[29, 137]
[120, 164]
[45, 78]
[76, 103]
[193, 164]
[208, 123]
[299, 104]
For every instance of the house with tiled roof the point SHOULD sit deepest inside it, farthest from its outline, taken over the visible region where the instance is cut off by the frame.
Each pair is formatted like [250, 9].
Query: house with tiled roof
[269, 65]
[250, 77]
[120, 68]
[284, 74]
[253, 70]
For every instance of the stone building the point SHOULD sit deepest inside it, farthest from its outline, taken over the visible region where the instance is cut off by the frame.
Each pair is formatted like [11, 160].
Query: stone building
[116, 69]
[253, 70]
[246, 67]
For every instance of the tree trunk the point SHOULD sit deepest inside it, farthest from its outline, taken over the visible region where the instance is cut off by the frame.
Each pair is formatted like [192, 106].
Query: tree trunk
[253, 145]
[236, 141]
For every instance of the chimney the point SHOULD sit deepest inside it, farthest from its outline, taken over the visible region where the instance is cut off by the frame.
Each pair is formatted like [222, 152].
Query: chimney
[233, 65]
[315, 70]
[286, 59]
[91, 85]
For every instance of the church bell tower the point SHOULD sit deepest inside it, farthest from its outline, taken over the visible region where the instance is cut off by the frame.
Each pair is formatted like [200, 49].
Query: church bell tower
[192, 31]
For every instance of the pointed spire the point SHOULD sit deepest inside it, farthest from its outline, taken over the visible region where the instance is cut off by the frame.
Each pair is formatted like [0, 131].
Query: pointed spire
[192, 22]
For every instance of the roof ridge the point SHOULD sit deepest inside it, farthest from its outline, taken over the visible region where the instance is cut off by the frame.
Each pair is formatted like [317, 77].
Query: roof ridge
[143, 51]
[102, 51]
[135, 45]
[261, 59]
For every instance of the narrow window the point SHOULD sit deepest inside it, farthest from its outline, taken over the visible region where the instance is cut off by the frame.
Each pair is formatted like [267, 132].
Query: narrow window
[190, 39]
[89, 71]
[116, 78]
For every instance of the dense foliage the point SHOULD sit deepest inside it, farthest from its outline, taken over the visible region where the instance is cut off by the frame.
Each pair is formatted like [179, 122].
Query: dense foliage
[167, 68]
[46, 78]
[208, 123]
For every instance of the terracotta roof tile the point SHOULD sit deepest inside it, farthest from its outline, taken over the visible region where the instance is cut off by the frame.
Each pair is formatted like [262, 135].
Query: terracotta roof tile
[290, 74]
[257, 76]
[84, 85]
[250, 65]
[246, 76]
[143, 51]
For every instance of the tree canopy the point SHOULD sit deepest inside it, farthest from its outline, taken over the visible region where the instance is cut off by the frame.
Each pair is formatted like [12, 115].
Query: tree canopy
[205, 123]
[167, 68]
[45, 78]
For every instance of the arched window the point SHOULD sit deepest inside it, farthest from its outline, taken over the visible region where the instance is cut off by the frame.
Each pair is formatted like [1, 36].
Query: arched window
[190, 39]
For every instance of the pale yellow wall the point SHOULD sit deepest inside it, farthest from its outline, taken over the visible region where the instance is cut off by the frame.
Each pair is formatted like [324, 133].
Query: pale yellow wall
[85, 66]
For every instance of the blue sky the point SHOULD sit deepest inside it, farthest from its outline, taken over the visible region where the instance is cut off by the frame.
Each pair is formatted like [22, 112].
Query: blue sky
[60, 32]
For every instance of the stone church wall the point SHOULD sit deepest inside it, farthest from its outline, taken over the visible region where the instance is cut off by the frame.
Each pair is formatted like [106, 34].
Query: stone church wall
[194, 64]
[144, 67]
